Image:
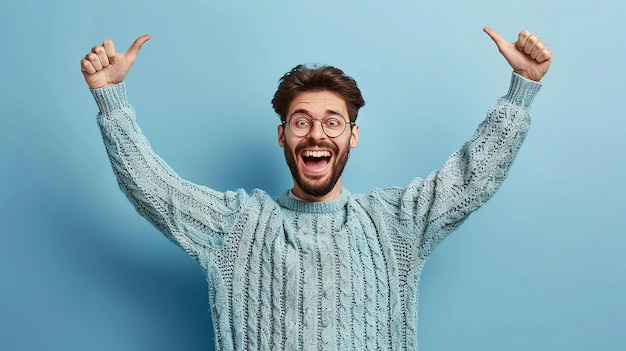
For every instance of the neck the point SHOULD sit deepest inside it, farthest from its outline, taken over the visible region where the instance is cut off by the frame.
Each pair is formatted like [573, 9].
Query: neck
[330, 196]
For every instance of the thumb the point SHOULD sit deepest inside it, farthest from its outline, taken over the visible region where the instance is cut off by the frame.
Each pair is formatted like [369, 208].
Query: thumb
[496, 37]
[137, 44]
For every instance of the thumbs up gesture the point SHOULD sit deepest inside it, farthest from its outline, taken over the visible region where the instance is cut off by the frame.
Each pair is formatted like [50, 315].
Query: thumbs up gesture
[103, 66]
[528, 56]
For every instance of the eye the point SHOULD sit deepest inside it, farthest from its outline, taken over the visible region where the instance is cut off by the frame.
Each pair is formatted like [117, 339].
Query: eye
[300, 122]
[333, 122]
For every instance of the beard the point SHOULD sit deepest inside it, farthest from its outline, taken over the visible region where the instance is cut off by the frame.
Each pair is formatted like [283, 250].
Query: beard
[322, 186]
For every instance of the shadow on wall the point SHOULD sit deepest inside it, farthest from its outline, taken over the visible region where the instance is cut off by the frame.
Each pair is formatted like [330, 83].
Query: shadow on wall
[110, 285]
[253, 165]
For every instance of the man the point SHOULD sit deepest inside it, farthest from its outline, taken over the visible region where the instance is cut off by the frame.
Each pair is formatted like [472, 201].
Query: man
[317, 267]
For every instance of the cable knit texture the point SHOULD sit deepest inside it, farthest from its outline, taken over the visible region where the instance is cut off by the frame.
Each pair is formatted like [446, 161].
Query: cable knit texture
[285, 274]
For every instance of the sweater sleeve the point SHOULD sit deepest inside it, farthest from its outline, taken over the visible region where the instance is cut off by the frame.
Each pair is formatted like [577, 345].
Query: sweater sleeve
[433, 207]
[192, 216]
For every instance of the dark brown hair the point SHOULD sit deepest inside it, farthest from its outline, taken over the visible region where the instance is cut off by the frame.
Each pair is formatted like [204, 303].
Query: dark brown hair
[303, 78]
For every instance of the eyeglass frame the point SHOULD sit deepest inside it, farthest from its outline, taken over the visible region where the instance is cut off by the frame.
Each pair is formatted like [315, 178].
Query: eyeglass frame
[321, 120]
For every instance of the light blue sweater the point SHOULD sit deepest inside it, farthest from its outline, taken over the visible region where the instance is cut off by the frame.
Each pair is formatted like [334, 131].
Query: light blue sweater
[285, 274]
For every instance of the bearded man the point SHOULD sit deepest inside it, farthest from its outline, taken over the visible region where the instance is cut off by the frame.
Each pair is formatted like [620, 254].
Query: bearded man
[316, 268]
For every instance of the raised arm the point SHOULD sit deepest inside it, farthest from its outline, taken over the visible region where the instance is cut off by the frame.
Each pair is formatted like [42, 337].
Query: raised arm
[192, 216]
[470, 176]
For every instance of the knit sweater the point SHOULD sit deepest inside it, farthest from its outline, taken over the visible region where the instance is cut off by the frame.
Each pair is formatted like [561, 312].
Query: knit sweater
[286, 274]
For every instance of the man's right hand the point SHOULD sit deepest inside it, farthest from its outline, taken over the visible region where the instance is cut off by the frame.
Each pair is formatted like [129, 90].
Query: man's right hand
[103, 67]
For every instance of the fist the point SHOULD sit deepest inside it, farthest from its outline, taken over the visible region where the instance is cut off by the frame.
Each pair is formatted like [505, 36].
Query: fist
[528, 56]
[103, 66]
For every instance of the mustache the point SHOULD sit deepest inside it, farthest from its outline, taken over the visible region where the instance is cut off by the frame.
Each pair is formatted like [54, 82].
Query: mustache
[306, 143]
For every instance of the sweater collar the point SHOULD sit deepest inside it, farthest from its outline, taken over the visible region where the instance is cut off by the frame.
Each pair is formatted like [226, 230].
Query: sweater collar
[288, 201]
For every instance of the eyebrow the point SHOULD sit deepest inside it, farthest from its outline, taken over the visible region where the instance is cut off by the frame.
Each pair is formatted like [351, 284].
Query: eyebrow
[326, 113]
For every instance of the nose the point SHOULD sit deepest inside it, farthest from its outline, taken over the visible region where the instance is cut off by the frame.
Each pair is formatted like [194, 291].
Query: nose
[316, 132]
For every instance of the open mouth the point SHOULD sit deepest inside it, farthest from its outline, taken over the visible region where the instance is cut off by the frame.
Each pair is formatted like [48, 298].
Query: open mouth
[316, 161]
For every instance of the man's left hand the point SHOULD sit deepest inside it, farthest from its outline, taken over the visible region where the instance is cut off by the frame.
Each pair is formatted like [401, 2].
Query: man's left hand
[528, 56]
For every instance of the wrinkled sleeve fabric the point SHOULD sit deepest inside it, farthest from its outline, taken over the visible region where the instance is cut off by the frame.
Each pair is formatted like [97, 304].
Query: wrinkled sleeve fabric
[194, 217]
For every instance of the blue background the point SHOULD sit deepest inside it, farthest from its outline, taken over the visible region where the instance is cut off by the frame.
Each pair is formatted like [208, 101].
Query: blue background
[540, 267]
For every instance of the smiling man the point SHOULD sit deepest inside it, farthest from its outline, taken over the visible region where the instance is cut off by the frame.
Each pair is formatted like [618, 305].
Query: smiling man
[318, 130]
[316, 268]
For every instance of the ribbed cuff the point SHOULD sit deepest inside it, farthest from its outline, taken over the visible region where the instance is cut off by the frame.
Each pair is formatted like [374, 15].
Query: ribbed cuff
[522, 91]
[110, 98]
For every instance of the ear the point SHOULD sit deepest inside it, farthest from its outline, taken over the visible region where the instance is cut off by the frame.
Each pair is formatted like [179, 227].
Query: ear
[354, 137]
[281, 135]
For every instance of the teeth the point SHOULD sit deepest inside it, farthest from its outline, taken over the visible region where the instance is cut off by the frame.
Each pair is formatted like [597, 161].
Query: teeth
[310, 153]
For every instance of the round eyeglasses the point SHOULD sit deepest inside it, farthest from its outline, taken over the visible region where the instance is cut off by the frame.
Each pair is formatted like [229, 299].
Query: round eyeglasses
[300, 124]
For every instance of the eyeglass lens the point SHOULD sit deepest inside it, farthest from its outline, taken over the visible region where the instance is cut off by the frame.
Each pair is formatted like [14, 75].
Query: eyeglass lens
[301, 124]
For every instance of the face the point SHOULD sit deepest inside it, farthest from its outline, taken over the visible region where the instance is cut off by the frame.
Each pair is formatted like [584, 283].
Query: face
[316, 161]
